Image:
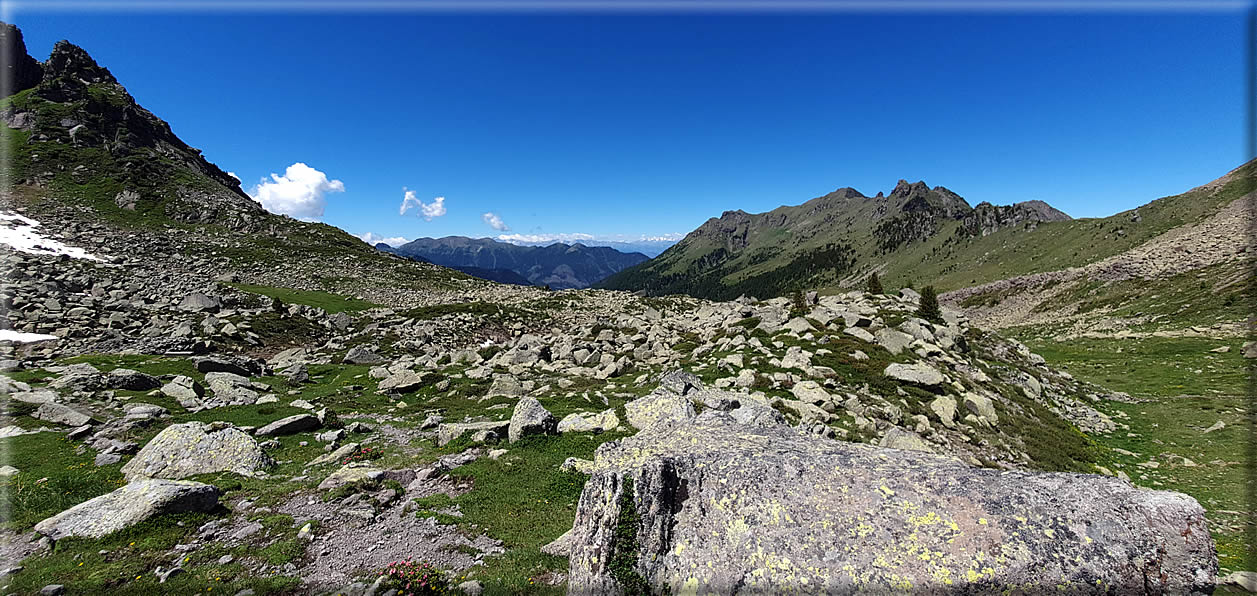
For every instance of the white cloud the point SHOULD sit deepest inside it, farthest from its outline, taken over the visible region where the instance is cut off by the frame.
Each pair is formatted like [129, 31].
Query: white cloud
[299, 192]
[495, 222]
[531, 238]
[426, 210]
[373, 239]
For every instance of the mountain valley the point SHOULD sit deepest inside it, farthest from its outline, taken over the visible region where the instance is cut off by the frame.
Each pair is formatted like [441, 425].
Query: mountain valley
[202, 395]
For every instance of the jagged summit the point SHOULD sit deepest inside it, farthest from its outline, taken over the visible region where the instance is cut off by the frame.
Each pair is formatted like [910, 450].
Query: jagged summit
[75, 108]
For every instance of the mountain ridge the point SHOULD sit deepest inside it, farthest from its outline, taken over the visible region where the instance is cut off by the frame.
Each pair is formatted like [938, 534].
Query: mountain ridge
[558, 265]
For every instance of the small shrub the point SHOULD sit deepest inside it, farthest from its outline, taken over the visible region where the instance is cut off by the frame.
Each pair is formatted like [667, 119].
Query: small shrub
[875, 285]
[929, 309]
[798, 303]
[415, 577]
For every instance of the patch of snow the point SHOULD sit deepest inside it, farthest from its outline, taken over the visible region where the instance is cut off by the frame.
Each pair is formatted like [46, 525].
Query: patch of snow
[19, 233]
[487, 343]
[24, 338]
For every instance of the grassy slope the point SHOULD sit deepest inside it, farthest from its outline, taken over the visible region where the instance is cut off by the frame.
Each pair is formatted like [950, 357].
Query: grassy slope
[1182, 388]
[1055, 245]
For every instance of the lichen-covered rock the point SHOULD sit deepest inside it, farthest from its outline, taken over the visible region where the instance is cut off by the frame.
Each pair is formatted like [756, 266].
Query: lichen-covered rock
[586, 423]
[129, 505]
[726, 508]
[183, 450]
[530, 418]
[656, 409]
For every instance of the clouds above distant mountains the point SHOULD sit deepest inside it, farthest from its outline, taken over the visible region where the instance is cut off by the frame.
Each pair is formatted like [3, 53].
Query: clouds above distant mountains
[301, 192]
[495, 222]
[373, 239]
[428, 211]
[534, 238]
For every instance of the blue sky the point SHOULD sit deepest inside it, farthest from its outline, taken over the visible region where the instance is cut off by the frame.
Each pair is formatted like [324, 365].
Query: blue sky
[635, 124]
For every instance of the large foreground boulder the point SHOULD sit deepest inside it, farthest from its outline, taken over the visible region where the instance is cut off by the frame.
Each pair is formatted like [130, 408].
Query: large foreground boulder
[183, 450]
[720, 507]
[128, 506]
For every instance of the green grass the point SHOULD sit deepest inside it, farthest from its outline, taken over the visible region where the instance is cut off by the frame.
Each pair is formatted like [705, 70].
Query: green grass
[70, 478]
[123, 563]
[1182, 389]
[539, 506]
[327, 301]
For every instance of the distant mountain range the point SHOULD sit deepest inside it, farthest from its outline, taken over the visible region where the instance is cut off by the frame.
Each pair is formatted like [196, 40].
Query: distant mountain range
[650, 248]
[559, 266]
[836, 239]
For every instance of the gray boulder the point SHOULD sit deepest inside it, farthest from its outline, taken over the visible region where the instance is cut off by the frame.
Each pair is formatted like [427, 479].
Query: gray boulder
[917, 373]
[584, 423]
[230, 389]
[981, 405]
[131, 380]
[79, 377]
[530, 418]
[505, 386]
[944, 407]
[448, 432]
[725, 508]
[894, 341]
[898, 438]
[198, 302]
[402, 382]
[183, 450]
[362, 355]
[39, 396]
[185, 390]
[286, 426]
[128, 506]
[244, 368]
[61, 414]
[680, 382]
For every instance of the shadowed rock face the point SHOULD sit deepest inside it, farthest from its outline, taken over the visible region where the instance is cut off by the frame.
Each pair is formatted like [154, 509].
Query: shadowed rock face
[726, 508]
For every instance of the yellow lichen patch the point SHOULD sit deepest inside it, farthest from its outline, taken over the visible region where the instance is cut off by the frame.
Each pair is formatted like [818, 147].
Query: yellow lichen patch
[886, 491]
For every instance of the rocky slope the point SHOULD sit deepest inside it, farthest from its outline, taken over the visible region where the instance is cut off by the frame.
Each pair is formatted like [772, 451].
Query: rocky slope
[559, 266]
[199, 394]
[1112, 295]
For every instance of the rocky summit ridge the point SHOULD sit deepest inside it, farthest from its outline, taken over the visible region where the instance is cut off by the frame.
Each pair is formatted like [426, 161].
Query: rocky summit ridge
[225, 398]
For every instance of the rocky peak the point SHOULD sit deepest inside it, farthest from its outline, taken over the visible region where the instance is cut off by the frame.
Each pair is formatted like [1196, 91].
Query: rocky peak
[846, 192]
[71, 62]
[908, 190]
[986, 218]
[20, 71]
